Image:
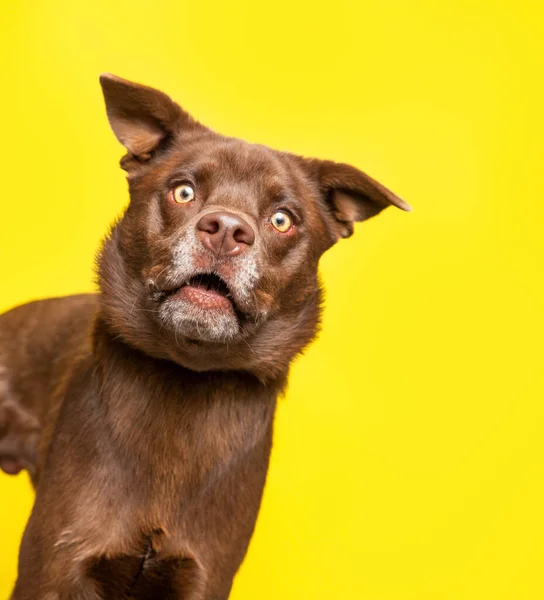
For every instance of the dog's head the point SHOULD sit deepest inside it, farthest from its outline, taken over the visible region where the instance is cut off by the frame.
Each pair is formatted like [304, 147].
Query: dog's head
[214, 264]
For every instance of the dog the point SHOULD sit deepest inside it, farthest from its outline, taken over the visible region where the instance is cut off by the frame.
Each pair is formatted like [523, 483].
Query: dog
[144, 413]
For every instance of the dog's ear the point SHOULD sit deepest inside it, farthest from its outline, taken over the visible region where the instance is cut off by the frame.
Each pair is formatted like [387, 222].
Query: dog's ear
[350, 195]
[141, 117]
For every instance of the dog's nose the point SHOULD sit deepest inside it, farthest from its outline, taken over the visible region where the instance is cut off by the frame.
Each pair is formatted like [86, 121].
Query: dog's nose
[225, 233]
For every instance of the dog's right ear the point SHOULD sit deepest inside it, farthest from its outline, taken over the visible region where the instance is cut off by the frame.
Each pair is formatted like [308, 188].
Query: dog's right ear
[141, 117]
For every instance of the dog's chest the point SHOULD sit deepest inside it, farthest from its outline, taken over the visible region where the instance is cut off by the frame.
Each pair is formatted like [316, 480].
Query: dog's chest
[179, 461]
[183, 441]
[173, 449]
[184, 491]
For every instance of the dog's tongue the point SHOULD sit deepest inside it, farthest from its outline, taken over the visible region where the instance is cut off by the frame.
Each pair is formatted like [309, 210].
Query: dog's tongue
[204, 296]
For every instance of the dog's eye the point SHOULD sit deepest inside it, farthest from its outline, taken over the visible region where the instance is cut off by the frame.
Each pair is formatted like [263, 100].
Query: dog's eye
[183, 194]
[281, 221]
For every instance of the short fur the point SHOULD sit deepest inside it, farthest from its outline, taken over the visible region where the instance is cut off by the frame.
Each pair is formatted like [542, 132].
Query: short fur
[144, 418]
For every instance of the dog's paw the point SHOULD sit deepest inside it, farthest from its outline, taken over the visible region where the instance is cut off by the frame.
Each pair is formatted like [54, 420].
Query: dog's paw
[19, 431]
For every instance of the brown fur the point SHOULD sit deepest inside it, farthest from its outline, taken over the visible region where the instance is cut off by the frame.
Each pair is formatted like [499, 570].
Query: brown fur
[146, 429]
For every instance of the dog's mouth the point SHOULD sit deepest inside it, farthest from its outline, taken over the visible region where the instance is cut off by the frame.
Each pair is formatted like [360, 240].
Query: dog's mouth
[204, 307]
[206, 290]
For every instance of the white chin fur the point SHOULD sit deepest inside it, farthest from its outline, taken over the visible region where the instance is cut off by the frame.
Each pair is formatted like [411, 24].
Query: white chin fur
[195, 322]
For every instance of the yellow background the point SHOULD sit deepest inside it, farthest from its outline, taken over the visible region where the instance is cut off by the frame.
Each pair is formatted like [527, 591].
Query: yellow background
[409, 451]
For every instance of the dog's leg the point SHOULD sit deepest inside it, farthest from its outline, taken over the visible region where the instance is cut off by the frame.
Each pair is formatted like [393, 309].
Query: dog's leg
[74, 568]
[224, 595]
[19, 431]
[52, 585]
[49, 570]
[82, 591]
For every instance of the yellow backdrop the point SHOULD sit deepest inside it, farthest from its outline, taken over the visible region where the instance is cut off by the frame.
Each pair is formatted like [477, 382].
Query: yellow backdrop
[408, 454]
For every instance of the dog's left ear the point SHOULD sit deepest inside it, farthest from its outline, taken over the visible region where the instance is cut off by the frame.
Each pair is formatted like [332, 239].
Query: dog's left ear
[350, 195]
[141, 117]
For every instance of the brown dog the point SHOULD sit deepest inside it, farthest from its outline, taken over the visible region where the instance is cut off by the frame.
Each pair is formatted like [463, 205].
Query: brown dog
[144, 413]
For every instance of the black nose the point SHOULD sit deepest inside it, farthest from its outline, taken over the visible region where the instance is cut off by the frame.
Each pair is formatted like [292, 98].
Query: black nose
[225, 233]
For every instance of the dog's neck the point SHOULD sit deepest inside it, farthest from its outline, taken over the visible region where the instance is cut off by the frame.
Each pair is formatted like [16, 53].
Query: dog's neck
[161, 415]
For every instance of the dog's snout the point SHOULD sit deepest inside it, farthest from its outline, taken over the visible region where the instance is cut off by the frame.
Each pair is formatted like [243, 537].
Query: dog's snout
[225, 233]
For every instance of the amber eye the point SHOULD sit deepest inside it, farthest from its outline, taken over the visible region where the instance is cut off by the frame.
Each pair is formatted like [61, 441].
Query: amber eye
[183, 194]
[281, 221]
